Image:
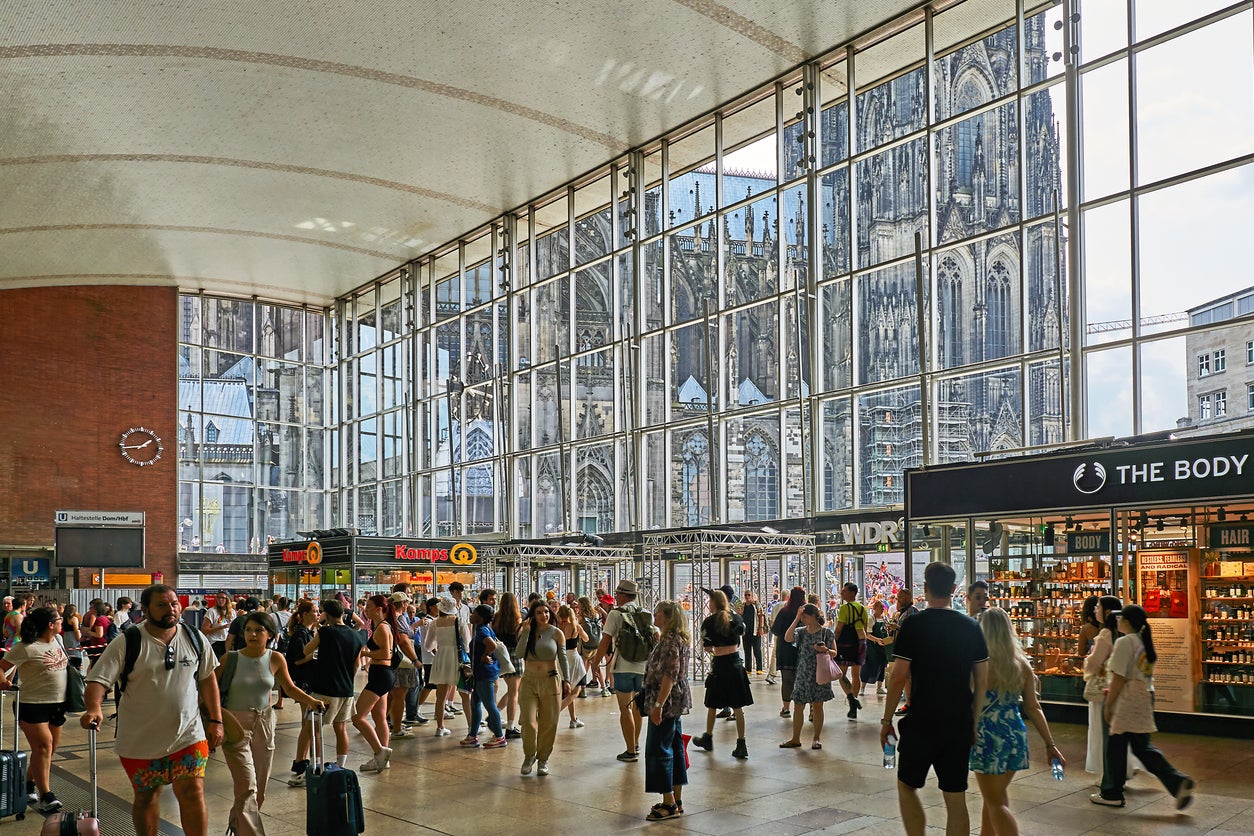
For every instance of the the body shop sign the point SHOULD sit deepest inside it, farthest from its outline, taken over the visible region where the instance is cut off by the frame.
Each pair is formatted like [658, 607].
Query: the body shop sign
[1196, 470]
[463, 554]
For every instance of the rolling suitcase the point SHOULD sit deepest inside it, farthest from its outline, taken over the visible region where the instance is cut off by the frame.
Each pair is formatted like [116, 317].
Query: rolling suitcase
[332, 795]
[79, 823]
[13, 763]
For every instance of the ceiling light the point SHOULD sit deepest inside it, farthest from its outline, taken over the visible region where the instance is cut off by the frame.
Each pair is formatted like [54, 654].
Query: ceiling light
[1221, 515]
[1159, 524]
[766, 529]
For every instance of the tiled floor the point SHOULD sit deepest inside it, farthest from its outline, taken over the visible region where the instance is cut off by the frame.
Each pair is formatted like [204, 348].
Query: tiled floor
[434, 786]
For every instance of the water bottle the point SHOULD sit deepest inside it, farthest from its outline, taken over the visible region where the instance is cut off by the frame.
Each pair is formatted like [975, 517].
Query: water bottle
[890, 752]
[1055, 767]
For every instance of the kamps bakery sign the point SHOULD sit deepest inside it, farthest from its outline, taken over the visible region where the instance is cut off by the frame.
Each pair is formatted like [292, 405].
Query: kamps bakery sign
[1186, 471]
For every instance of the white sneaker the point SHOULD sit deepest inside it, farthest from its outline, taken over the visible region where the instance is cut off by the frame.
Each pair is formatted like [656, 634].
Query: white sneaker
[576, 723]
[879, 690]
[297, 780]
[403, 734]
[371, 765]
[385, 758]
[528, 762]
[442, 732]
[542, 768]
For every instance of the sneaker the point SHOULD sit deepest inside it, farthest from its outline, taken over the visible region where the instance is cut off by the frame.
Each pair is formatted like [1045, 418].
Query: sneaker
[50, 805]
[385, 758]
[452, 709]
[297, 780]
[419, 719]
[726, 714]
[785, 712]
[469, 742]
[542, 768]
[605, 692]
[880, 690]
[1098, 798]
[704, 741]
[770, 680]
[371, 765]
[576, 723]
[1184, 795]
[496, 743]
[628, 756]
[403, 734]
[32, 798]
[528, 762]
[513, 734]
[583, 695]
[442, 732]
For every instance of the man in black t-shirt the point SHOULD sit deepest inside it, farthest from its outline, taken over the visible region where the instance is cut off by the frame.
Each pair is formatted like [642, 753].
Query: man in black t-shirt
[945, 660]
[338, 648]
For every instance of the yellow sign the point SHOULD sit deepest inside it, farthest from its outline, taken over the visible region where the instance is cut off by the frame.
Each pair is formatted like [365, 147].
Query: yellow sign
[122, 579]
[313, 553]
[463, 554]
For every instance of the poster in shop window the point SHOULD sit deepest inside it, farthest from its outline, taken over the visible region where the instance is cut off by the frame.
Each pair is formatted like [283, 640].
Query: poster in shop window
[1164, 593]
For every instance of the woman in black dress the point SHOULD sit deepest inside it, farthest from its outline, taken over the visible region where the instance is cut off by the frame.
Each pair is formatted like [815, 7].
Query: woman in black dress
[727, 686]
[786, 651]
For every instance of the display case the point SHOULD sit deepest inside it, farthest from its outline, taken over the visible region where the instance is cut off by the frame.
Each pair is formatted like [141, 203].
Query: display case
[1044, 596]
[1226, 632]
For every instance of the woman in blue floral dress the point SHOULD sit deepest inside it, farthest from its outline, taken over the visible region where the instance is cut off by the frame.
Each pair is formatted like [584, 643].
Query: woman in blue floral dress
[811, 639]
[1001, 737]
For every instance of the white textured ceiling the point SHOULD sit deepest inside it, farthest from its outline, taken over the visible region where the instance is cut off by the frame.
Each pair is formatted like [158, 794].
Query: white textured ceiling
[298, 149]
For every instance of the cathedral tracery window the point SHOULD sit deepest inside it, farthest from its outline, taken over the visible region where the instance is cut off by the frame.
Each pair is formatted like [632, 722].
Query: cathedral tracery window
[761, 479]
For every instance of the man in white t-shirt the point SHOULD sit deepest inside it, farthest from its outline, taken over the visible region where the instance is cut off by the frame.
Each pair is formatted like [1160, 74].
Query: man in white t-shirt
[628, 676]
[160, 739]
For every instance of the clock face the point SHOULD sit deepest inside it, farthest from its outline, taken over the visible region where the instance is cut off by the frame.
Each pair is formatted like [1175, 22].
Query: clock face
[141, 446]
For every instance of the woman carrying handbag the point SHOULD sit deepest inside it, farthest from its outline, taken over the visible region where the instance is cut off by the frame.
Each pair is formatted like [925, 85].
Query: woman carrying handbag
[816, 645]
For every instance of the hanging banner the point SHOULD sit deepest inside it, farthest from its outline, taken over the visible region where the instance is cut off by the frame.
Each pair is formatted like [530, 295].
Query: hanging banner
[1164, 583]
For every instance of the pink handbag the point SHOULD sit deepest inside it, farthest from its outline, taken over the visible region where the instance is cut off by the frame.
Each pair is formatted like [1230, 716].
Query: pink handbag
[826, 669]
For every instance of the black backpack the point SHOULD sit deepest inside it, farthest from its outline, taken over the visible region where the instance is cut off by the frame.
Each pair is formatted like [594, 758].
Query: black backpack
[132, 651]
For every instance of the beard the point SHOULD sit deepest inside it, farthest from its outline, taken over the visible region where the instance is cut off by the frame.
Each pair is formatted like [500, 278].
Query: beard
[166, 621]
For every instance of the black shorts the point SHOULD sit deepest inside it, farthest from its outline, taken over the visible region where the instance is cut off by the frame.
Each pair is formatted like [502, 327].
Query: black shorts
[851, 654]
[945, 752]
[380, 679]
[52, 713]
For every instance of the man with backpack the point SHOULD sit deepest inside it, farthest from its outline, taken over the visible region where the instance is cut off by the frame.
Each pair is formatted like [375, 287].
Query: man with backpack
[165, 670]
[629, 632]
[850, 627]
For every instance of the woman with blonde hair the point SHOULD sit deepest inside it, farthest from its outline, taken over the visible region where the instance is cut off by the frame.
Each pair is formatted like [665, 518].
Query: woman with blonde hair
[727, 686]
[664, 698]
[1001, 737]
[575, 637]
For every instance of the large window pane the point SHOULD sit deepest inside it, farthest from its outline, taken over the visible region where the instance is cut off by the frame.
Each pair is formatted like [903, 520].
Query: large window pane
[978, 301]
[694, 255]
[1193, 244]
[1108, 387]
[835, 322]
[1167, 387]
[891, 110]
[976, 74]
[978, 413]
[1047, 404]
[892, 202]
[1104, 97]
[1045, 151]
[977, 187]
[888, 347]
[753, 355]
[890, 433]
[1045, 271]
[837, 455]
[1103, 28]
[1107, 273]
[1154, 17]
[1208, 110]
[755, 471]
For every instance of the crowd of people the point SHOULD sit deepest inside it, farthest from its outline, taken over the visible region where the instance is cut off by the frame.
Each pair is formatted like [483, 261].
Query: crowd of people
[957, 687]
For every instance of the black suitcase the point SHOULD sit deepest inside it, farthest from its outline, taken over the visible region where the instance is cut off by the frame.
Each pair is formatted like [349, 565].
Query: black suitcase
[332, 795]
[13, 764]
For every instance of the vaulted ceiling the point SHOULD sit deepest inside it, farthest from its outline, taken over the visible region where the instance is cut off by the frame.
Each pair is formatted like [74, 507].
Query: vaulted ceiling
[295, 150]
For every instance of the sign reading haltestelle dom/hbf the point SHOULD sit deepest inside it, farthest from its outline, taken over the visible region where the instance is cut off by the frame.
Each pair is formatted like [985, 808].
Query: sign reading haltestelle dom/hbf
[1186, 471]
[128, 518]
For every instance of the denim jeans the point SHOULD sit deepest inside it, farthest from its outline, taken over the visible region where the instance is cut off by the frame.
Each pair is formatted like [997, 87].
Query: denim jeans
[484, 698]
[664, 755]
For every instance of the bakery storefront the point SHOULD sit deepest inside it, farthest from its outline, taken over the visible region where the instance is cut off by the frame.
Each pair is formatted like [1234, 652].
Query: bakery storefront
[1168, 525]
[359, 566]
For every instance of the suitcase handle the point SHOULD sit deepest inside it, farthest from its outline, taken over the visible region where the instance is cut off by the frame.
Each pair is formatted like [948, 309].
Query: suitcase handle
[317, 740]
[91, 759]
[16, 690]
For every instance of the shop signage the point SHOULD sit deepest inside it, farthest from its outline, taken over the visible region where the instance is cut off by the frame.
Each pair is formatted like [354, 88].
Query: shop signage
[311, 554]
[1088, 542]
[1222, 536]
[463, 554]
[1184, 471]
[886, 532]
[31, 571]
[129, 518]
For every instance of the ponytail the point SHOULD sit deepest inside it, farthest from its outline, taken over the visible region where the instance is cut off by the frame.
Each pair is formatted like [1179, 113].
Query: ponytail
[1139, 621]
[1147, 639]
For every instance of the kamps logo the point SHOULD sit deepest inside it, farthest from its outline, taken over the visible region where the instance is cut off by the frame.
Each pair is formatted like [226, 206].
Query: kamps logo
[1089, 477]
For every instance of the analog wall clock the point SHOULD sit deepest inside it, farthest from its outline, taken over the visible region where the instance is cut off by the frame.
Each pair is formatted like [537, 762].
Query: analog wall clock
[141, 446]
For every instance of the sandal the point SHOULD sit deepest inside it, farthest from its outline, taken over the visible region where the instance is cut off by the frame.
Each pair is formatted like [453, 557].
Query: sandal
[790, 744]
[662, 811]
[816, 745]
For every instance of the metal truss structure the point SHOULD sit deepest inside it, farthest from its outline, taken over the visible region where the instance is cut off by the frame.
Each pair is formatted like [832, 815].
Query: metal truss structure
[519, 562]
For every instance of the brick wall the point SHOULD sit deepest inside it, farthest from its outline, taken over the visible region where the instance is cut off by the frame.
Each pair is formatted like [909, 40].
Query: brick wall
[78, 366]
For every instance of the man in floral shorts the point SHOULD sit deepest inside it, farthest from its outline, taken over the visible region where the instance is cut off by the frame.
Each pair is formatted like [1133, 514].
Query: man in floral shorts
[160, 738]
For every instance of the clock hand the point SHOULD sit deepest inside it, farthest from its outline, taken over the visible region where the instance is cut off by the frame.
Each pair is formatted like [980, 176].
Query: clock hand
[136, 446]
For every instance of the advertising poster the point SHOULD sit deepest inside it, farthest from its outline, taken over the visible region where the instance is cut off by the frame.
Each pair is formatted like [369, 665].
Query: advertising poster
[1164, 587]
[1164, 583]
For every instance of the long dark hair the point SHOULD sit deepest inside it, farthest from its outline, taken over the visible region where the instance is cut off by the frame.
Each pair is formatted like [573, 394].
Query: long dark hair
[37, 621]
[1088, 613]
[796, 600]
[1135, 616]
[531, 629]
[384, 604]
[302, 607]
[1112, 606]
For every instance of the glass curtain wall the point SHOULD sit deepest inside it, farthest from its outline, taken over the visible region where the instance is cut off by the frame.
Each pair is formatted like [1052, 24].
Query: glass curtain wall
[857, 269]
[253, 421]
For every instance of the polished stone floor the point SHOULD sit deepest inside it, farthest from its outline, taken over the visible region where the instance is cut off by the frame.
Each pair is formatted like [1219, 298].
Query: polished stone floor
[435, 786]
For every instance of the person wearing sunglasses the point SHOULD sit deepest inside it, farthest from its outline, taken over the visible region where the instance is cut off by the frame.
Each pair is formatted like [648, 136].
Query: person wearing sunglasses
[160, 738]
